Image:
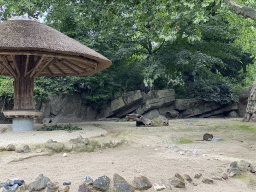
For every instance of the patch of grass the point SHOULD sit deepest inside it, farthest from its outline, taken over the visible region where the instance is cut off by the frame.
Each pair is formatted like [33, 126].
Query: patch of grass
[249, 178]
[184, 141]
[157, 122]
[247, 128]
[201, 125]
[123, 120]
[68, 128]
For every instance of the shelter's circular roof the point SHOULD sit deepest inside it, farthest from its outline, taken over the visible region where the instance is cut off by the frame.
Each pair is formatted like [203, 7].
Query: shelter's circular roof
[52, 52]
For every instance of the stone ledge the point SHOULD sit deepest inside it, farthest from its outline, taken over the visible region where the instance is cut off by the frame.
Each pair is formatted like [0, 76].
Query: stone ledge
[22, 114]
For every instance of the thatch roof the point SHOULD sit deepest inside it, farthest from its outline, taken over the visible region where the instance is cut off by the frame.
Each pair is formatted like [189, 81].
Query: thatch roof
[46, 51]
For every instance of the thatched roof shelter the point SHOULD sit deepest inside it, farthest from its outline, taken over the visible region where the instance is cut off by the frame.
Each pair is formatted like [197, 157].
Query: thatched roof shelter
[29, 49]
[52, 52]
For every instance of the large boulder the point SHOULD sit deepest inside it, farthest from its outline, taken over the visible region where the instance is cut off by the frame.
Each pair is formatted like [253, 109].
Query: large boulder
[244, 94]
[158, 99]
[124, 105]
[200, 109]
[117, 104]
[152, 114]
[243, 100]
[184, 104]
[221, 111]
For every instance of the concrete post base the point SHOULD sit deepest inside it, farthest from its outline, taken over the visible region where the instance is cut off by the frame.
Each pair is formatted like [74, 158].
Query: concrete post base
[22, 124]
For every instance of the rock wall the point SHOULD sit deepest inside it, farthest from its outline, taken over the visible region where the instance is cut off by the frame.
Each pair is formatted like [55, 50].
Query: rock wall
[151, 105]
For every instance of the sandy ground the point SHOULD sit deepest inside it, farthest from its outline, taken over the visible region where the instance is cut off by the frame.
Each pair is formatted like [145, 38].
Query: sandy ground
[145, 154]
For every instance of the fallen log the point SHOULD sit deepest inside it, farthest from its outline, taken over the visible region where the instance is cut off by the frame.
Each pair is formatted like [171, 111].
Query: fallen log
[140, 120]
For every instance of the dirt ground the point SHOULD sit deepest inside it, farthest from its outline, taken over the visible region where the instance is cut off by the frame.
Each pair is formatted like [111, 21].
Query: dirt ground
[144, 154]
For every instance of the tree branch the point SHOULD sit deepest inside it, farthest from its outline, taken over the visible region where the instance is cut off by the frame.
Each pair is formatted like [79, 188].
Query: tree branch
[241, 10]
[158, 47]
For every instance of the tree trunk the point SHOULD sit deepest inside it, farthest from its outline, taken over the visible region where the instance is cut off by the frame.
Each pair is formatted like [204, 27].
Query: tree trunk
[140, 120]
[250, 114]
[23, 87]
[23, 93]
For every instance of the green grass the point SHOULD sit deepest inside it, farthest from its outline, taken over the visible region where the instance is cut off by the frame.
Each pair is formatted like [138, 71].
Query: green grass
[249, 178]
[246, 128]
[184, 141]
[68, 128]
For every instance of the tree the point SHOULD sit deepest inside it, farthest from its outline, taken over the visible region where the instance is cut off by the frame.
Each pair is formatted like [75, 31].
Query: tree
[247, 12]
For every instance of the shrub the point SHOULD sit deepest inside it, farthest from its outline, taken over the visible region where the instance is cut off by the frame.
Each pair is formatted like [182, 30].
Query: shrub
[219, 91]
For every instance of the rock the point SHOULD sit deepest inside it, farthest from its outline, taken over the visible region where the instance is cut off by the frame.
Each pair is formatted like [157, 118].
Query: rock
[183, 104]
[197, 176]
[83, 188]
[117, 104]
[233, 114]
[253, 167]
[39, 150]
[234, 169]
[80, 147]
[217, 174]
[65, 155]
[207, 181]
[179, 176]
[10, 147]
[102, 183]
[67, 188]
[39, 184]
[141, 183]
[18, 150]
[244, 166]
[152, 114]
[57, 147]
[2, 148]
[225, 176]
[176, 182]
[172, 114]
[88, 180]
[121, 185]
[26, 149]
[159, 187]
[244, 94]
[51, 141]
[22, 187]
[216, 177]
[67, 147]
[158, 99]
[52, 187]
[188, 178]
[80, 139]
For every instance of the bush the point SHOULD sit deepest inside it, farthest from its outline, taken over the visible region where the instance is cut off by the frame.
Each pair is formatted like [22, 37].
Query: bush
[219, 91]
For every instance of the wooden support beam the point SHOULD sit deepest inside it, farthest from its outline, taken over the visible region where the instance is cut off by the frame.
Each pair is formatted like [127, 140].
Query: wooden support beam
[66, 65]
[59, 69]
[82, 64]
[75, 57]
[26, 66]
[36, 66]
[44, 66]
[73, 64]
[48, 69]
[6, 66]
[15, 65]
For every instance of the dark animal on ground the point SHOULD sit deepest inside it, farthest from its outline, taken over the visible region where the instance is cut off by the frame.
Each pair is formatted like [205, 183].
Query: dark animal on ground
[206, 137]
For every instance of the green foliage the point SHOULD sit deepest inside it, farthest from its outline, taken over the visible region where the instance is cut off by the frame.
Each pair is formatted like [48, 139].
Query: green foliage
[100, 88]
[161, 44]
[219, 91]
[6, 91]
[68, 128]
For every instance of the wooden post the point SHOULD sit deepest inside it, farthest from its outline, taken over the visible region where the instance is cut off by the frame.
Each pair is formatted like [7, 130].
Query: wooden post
[23, 85]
